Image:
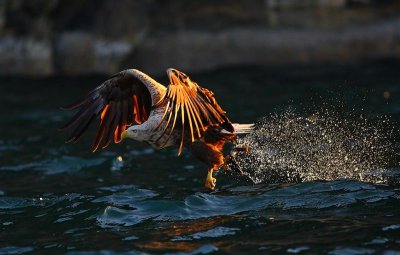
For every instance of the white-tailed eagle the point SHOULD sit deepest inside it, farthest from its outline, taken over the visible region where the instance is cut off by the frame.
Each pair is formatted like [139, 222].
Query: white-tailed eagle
[133, 105]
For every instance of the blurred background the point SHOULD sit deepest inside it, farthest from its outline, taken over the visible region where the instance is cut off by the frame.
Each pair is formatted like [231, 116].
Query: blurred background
[80, 37]
[324, 74]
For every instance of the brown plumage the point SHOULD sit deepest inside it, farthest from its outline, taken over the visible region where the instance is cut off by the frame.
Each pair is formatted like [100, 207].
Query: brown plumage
[132, 104]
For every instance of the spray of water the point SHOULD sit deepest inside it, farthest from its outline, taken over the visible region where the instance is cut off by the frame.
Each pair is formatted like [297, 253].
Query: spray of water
[289, 147]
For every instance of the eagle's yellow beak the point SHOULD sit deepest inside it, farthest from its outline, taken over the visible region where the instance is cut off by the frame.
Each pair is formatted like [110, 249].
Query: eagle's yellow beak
[124, 135]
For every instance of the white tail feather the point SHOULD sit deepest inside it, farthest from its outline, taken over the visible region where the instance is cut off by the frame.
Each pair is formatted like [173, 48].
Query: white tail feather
[243, 128]
[240, 128]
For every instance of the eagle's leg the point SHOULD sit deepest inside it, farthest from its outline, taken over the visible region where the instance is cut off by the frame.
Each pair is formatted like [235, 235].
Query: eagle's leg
[210, 180]
[212, 155]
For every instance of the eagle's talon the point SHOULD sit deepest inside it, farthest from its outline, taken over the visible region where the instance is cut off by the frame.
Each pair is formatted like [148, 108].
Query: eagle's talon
[243, 147]
[230, 163]
[210, 183]
[210, 180]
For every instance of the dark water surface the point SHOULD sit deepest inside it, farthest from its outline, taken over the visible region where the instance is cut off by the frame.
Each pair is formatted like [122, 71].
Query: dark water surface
[57, 198]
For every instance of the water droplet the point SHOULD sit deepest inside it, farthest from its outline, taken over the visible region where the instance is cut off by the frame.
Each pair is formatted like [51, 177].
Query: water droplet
[117, 164]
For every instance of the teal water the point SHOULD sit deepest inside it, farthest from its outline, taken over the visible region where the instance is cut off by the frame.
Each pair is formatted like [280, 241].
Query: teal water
[58, 198]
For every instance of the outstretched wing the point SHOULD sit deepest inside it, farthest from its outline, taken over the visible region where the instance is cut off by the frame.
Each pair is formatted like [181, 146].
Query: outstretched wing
[121, 101]
[191, 105]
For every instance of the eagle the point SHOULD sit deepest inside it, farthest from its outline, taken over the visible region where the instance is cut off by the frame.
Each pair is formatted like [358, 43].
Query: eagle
[131, 104]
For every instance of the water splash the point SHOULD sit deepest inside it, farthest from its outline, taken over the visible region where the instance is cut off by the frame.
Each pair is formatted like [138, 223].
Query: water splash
[289, 147]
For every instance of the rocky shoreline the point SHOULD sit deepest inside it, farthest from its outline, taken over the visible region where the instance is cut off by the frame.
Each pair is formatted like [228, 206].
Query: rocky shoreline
[140, 34]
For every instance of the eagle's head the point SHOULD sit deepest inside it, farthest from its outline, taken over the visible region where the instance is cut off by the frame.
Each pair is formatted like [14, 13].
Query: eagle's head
[177, 77]
[135, 132]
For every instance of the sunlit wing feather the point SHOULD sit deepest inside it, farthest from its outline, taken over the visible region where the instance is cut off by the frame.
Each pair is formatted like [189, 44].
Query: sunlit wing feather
[119, 102]
[191, 105]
